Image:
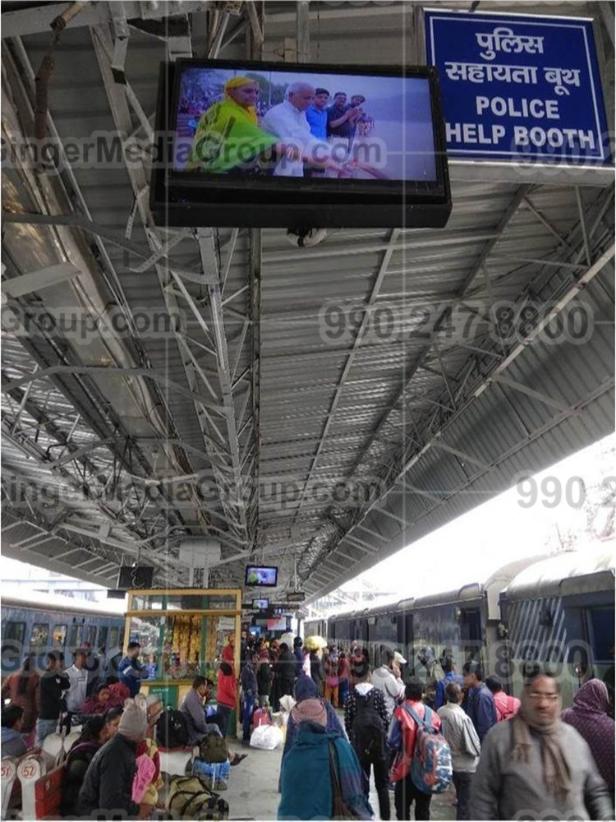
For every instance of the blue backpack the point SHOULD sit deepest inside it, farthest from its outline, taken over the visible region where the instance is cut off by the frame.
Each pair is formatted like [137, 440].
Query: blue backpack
[431, 770]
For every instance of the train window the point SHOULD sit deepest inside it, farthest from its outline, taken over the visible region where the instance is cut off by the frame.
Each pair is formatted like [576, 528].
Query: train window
[58, 636]
[113, 637]
[384, 630]
[15, 631]
[103, 631]
[89, 635]
[74, 636]
[39, 637]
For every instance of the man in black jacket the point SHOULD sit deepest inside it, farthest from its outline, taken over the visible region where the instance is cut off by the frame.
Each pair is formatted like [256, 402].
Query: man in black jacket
[53, 685]
[285, 670]
[107, 786]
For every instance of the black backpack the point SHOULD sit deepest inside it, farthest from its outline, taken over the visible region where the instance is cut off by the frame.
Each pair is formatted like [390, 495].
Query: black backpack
[368, 734]
[172, 729]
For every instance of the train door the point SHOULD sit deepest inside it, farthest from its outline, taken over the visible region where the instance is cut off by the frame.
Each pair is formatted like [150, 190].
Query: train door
[600, 626]
[471, 634]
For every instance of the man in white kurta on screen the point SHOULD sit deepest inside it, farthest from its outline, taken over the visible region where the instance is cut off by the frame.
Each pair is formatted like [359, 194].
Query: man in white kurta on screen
[287, 120]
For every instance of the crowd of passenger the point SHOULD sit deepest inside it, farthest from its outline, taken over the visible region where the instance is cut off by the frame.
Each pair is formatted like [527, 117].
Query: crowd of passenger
[509, 758]
[346, 721]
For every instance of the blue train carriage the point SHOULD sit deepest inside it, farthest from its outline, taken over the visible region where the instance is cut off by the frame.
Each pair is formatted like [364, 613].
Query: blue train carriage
[316, 627]
[349, 628]
[463, 623]
[386, 628]
[52, 622]
[561, 611]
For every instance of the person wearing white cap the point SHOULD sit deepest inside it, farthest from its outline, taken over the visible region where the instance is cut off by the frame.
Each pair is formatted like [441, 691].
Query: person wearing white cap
[388, 680]
[399, 661]
[107, 785]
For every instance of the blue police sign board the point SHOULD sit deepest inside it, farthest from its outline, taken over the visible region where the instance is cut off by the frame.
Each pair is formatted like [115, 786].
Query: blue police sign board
[519, 87]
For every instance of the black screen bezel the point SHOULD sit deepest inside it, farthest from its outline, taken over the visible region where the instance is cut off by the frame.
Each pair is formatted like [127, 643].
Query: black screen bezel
[260, 584]
[323, 186]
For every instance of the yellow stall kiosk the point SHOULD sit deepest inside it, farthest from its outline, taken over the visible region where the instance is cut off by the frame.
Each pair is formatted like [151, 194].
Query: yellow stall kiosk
[182, 633]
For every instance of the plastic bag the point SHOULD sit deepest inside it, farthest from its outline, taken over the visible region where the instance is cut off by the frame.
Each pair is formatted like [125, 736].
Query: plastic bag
[144, 774]
[266, 738]
[287, 703]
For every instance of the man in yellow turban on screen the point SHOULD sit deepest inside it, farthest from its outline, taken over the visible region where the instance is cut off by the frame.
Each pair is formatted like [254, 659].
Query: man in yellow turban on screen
[228, 135]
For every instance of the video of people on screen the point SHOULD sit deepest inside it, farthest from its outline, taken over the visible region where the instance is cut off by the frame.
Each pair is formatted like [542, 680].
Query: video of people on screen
[275, 123]
[261, 575]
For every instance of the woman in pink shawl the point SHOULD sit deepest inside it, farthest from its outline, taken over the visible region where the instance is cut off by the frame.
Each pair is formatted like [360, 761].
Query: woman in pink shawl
[588, 715]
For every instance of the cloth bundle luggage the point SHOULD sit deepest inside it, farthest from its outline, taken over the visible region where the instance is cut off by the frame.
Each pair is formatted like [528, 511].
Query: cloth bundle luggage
[190, 797]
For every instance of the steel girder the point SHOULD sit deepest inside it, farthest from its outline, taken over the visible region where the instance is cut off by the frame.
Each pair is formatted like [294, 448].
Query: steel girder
[221, 443]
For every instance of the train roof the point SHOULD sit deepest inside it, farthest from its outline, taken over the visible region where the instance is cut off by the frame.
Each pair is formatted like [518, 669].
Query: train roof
[475, 591]
[570, 572]
[55, 602]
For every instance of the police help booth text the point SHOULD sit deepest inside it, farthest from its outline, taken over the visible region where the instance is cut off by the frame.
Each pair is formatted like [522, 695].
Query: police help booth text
[520, 85]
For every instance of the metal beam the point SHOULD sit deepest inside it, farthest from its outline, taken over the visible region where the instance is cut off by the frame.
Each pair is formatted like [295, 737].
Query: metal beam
[463, 455]
[302, 27]
[38, 20]
[39, 280]
[530, 392]
[119, 99]
[105, 370]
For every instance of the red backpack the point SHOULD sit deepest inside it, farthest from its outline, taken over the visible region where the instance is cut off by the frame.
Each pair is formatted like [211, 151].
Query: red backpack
[506, 708]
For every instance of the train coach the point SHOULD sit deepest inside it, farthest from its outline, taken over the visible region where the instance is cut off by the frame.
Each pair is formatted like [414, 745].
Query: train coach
[31, 625]
[561, 611]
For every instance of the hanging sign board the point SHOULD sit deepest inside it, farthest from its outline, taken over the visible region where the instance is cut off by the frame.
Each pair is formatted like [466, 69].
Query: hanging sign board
[296, 596]
[226, 624]
[519, 88]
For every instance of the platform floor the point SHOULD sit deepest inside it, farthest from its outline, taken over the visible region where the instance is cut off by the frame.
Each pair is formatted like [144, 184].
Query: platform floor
[253, 788]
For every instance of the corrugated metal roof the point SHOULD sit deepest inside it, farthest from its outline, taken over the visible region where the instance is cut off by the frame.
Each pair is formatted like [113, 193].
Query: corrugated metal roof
[277, 427]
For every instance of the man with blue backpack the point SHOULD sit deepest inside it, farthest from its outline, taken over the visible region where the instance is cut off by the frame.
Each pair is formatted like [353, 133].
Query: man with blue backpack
[422, 758]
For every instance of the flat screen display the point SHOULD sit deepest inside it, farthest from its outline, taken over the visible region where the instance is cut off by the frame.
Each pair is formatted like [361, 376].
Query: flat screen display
[242, 143]
[312, 125]
[262, 576]
[260, 604]
[135, 576]
[277, 624]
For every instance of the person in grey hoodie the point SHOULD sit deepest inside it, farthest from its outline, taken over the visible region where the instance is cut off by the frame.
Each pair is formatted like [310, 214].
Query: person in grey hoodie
[391, 686]
[460, 733]
[535, 766]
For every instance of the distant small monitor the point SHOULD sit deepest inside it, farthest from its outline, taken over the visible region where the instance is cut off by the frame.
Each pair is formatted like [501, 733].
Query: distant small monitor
[278, 623]
[260, 604]
[265, 576]
[136, 576]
